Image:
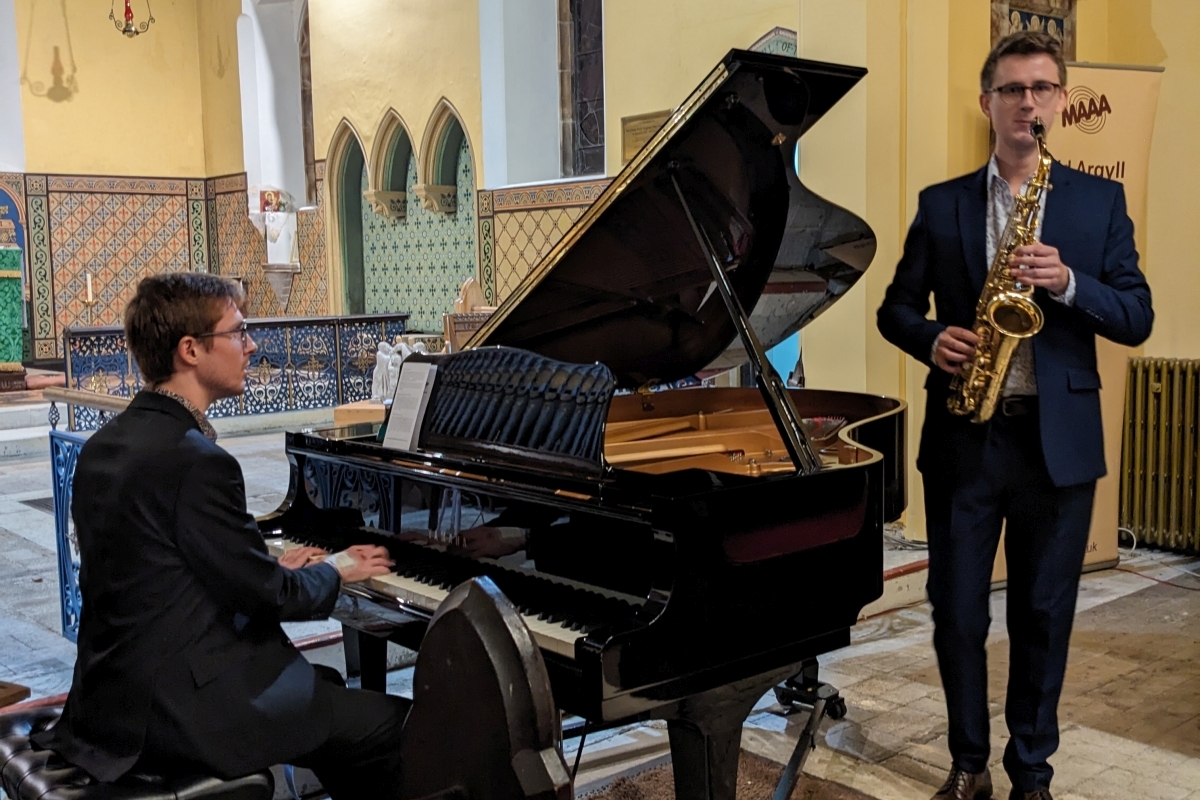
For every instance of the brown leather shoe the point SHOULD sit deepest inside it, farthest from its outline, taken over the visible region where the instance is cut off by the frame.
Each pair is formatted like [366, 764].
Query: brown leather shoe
[962, 785]
[1036, 794]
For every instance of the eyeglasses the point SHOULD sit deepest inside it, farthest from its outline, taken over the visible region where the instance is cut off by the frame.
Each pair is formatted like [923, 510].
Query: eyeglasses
[240, 332]
[1013, 93]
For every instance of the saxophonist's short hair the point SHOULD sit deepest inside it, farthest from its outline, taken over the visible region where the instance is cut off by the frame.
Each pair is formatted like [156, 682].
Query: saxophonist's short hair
[1023, 43]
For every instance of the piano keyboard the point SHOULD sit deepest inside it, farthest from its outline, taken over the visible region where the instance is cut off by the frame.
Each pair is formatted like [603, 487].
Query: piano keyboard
[549, 635]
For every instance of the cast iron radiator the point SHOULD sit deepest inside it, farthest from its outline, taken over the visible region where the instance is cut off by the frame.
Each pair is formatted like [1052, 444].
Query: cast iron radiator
[1160, 453]
[501, 400]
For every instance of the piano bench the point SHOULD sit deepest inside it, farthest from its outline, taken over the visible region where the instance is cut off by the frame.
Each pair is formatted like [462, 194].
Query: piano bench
[29, 774]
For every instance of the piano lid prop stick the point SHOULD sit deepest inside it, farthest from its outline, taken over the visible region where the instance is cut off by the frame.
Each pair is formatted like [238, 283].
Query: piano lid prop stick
[779, 401]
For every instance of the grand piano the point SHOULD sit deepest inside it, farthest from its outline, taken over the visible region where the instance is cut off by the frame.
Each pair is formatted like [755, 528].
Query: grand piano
[674, 551]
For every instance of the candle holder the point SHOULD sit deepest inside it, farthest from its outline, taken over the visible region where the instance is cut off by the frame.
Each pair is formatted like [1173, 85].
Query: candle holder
[89, 298]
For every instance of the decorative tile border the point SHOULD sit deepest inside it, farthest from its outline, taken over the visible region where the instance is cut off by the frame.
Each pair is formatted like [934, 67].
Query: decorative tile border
[41, 290]
[487, 256]
[99, 184]
[227, 184]
[556, 195]
[198, 225]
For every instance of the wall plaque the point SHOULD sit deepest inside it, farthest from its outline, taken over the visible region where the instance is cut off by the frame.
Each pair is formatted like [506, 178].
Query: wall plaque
[637, 130]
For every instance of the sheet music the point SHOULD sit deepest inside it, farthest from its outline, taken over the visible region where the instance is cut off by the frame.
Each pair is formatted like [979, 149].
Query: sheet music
[413, 388]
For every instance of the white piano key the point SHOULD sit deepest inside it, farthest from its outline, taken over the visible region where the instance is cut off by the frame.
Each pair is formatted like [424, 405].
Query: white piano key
[548, 635]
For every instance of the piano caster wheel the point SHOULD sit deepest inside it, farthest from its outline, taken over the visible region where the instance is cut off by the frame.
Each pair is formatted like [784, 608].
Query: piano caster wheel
[836, 709]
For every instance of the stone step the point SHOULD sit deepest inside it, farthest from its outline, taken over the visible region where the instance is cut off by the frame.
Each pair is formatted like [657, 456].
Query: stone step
[26, 415]
[32, 441]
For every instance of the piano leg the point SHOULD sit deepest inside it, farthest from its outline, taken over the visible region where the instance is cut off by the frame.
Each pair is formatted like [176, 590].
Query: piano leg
[366, 655]
[705, 731]
[350, 650]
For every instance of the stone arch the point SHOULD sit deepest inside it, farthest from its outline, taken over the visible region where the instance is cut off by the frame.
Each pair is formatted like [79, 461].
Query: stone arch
[437, 165]
[346, 163]
[389, 167]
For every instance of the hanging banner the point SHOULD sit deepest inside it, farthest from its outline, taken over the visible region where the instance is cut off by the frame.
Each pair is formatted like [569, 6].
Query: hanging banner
[1105, 130]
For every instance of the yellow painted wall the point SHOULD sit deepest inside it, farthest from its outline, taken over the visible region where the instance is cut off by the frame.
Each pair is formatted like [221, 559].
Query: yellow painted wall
[656, 52]
[138, 109]
[1161, 33]
[1165, 32]
[220, 91]
[372, 55]
[914, 121]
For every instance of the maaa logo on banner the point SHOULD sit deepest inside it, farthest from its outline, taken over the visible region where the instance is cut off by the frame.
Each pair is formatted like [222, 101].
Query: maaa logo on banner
[1086, 109]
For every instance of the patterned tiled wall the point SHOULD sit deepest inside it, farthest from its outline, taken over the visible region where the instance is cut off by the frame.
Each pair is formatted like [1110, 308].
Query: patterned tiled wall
[121, 229]
[241, 249]
[417, 264]
[519, 226]
[118, 229]
[310, 293]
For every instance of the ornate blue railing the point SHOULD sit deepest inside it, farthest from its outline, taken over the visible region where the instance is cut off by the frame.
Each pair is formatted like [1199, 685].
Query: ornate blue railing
[64, 451]
[301, 363]
[329, 484]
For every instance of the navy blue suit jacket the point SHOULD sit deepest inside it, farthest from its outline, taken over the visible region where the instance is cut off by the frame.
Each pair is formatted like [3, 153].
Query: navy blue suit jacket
[945, 255]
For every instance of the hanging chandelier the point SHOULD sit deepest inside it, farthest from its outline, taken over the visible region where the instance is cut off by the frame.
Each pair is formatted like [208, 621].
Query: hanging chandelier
[127, 27]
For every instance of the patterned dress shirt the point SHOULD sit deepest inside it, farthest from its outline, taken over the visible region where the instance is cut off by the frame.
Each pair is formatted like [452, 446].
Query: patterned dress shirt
[205, 426]
[1021, 377]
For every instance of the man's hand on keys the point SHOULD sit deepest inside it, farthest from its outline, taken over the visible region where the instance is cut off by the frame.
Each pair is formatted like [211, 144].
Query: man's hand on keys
[299, 557]
[362, 561]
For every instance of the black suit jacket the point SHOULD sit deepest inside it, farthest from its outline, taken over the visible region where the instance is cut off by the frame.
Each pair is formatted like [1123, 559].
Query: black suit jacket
[945, 255]
[180, 630]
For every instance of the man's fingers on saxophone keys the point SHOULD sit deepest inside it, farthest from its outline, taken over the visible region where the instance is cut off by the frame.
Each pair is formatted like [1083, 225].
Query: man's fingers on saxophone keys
[955, 346]
[1040, 265]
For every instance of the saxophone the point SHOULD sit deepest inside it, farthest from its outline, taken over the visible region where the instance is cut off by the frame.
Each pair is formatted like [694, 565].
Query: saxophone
[1006, 313]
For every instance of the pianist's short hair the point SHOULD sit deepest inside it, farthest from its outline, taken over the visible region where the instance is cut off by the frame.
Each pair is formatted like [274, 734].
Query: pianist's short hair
[1023, 43]
[168, 307]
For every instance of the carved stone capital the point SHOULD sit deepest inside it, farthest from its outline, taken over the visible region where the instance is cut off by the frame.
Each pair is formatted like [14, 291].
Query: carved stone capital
[387, 204]
[442, 199]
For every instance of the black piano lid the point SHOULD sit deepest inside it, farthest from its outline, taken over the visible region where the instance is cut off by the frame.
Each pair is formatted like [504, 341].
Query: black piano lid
[629, 285]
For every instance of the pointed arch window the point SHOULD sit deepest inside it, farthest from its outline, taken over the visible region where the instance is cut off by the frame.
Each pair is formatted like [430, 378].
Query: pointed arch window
[581, 86]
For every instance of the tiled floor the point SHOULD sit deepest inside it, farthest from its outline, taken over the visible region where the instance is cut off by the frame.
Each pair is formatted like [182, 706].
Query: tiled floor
[1130, 713]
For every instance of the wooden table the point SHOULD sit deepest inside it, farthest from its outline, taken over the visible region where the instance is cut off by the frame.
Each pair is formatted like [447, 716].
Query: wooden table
[12, 693]
[362, 411]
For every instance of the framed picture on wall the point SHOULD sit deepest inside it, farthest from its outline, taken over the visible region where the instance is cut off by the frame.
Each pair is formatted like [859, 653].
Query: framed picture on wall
[1056, 17]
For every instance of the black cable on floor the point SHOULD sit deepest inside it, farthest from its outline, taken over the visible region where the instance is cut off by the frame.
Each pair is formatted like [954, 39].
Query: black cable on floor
[579, 752]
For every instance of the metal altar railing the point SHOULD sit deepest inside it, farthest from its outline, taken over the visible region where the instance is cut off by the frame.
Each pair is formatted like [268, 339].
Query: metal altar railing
[64, 453]
[301, 363]
[329, 485]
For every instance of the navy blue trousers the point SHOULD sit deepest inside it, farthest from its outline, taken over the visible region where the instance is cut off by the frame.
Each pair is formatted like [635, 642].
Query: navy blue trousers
[1000, 478]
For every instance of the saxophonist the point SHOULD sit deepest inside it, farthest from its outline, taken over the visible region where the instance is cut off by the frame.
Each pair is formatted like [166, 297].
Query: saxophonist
[1033, 466]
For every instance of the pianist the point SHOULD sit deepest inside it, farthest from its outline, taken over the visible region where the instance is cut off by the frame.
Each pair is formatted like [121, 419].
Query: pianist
[182, 664]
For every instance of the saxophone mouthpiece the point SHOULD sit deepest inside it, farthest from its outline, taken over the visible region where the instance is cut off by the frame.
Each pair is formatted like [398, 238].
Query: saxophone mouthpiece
[1038, 128]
